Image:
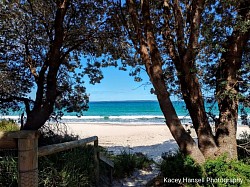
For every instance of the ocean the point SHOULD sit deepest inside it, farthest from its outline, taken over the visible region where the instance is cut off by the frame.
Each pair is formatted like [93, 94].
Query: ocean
[126, 112]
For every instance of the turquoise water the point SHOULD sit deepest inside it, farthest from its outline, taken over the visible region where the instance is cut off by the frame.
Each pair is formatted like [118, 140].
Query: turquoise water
[132, 112]
[127, 108]
[136, 112]
[128, 112]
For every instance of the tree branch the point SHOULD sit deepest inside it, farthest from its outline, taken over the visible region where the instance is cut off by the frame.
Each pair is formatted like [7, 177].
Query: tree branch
[22, 99]
[167, 35]
[125, 24]
[179, 27]
[30, 62]
[197, 8]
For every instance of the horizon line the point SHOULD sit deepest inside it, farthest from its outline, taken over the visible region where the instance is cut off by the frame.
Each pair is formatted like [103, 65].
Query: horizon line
[141, 100]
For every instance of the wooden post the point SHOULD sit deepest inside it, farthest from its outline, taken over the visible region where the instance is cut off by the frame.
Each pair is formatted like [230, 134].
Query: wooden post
[28, 159]
[96, 159]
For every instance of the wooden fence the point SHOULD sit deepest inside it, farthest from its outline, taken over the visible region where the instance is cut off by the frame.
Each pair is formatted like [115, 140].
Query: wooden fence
[28, 152]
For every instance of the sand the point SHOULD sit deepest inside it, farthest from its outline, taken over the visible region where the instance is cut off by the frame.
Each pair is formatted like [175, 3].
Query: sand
[152, 140]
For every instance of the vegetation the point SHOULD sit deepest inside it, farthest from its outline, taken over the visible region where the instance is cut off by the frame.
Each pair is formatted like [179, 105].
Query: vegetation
[244, 148]
[179, 166]
[126, 163]
[69, 168]
[192, 49]
[8, 125]
[176, 165]
[220, 168]
[228, 172]
[8, 170]
[41, 47]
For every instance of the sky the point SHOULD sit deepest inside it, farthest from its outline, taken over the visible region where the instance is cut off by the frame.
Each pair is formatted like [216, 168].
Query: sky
[117, 85]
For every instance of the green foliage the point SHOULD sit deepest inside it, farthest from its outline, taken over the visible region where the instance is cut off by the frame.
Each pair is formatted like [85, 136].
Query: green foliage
[126, 163]
[69, 168]
[8, 125]
[179, 166]
[30, 34]
[52, 134]
[243, 143]
[73, 167]
[8, 171]
[221, 171]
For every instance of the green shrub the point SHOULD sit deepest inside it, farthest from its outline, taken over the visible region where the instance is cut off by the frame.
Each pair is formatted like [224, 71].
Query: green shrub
[73, 167]
[8, 158]
[126, 163]
[243, 142]
[8, 171]
[231, 170]
[8, 125]
[142, 161]
[68, 168]
[218, 172]
[178, 166]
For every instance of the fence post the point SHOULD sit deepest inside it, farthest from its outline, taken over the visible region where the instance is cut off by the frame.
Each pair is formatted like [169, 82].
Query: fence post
[28, 160]
[96, 159]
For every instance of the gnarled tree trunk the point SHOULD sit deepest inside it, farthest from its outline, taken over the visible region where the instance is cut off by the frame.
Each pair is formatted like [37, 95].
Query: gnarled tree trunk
[46, 97]
[183, 55]
[227, 89]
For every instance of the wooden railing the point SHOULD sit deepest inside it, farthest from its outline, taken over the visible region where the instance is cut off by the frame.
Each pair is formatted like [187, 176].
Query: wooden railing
[28, 152]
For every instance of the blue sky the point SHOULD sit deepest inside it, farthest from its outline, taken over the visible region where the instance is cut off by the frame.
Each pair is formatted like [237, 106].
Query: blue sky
[117, 85]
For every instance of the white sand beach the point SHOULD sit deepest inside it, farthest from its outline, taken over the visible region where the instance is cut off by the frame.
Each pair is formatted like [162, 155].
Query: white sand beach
[151, 140]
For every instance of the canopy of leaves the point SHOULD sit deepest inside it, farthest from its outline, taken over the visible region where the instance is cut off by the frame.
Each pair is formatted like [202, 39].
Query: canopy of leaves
[219, 20]
[28, 31]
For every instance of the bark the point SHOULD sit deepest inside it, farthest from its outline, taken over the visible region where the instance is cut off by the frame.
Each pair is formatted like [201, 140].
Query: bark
[183, 55]
[44, 102]
[184, 59]
[227, 87]
[193, 98]
[227, 94]
[151, 57]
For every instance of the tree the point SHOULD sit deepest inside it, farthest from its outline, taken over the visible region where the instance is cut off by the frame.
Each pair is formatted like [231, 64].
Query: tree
[188, 47]
[41, 46]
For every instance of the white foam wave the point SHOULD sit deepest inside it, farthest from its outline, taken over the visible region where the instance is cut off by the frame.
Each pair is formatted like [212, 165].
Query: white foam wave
[10, 117]
[113, 117]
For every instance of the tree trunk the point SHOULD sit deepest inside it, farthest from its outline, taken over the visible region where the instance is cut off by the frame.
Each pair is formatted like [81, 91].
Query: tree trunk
[153, 63]
[37, 117]
[227, 95]
[192, 95]
[47, 91]
[184, 140]
[183, 56]
[227, 87]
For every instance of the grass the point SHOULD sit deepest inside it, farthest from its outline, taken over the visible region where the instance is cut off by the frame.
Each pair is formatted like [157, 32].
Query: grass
[126, 163]
[8, 125]
[69, 168]
[178, 166]
[73, 167]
